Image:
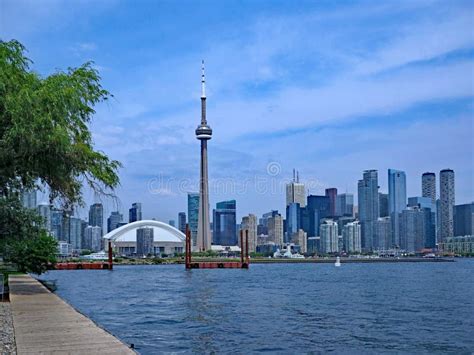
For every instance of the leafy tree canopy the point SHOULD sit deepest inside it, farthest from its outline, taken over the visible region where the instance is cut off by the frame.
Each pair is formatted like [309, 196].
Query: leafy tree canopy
[44, 134]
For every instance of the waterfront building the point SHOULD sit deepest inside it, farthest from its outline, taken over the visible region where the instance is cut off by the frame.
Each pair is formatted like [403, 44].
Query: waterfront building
[458, 245]
[64, 249]
[345, 205]
[182, 221]
[96, 216]
[135, 213]
[397, 199]
[224, 223]
[332, 193]
[114, 220]
[93, 238]
[75, 234]
[383, 234]
[275, 229]
[57, 224]
[428, 186]
[295, 191]
[193, 216]
[300, 238]
[447, 201]
[166, 239]
[351, 237]
[426, 203]
[342, 221]
[250, 223]
[44, 211]
[464, 219]
[414, 226]
[318, 208]
[383, 205]
[329, 236]
[145, 241]
[368, 204]
[203, 134]
[293, 220]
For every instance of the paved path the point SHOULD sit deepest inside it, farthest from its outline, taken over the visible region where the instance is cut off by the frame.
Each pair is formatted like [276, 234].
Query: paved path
[45, 324]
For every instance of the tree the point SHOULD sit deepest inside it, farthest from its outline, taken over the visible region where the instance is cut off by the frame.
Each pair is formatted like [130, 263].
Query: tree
[44, 133]
[45, 142]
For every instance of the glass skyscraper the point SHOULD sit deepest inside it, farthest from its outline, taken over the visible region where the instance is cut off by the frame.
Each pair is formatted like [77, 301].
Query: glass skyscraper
[224, 223]
[318, 208]
[135, 213]
[397, 199]
[96, 216]
[193, 215]
[368, 197]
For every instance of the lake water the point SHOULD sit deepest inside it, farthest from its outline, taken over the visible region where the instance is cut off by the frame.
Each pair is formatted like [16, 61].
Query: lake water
[283, 308]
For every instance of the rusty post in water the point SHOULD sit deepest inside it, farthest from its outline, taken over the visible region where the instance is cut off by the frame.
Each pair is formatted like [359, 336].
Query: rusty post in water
[241, 247]
[247, 245]
[110, 255]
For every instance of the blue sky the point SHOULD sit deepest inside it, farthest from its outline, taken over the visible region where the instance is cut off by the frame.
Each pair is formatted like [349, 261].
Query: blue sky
[328, 87]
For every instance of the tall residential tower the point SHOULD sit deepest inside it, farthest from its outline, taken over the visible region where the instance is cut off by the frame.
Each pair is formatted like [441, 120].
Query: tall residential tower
[446, 196]
[203, 133]
[428, 186]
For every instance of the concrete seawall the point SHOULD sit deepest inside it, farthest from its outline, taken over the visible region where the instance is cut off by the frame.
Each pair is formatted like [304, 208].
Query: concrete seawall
[45, 324]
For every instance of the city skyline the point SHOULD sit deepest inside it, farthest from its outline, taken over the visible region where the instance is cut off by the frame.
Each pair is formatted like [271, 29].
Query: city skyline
[267, 106]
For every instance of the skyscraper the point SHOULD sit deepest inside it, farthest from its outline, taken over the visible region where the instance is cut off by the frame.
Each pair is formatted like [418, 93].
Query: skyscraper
[96, 216]
[193, 216]
[319, 208]
[295, 191]
[75, 234]
[44, 210]
[414, 225]
[93, 238]
[203, 133]
[182, 221]
[428, 186]
[332, 193]
[447, 201]
[293, 220]
[383, 205]
[351, 237]
[430, 229]
[329, 236]
[345, 204]
[383, 234]
[300, 238]
[114, 220]
[397, 199]
[275, 229]
[145, 241]
[224, 223]
[135, 213]
[250, 223]
[368, 198]
[464, 219]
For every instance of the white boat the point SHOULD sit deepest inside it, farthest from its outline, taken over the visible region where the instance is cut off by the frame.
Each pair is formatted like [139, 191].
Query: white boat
[338, 262]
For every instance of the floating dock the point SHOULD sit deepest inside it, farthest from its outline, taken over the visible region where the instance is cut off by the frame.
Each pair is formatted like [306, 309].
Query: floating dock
[244, 257]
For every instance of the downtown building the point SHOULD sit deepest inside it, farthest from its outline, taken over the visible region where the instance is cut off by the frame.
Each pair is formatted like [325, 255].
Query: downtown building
[345, 205]
[368, 198]
[249, 223]
[224, 223]
[397, 200]
[415, 228]
[383, 234]
[135, 212]
[328, 231]
[92, 238]
[96, 216]
[332, 194]
[275, 229]
[182, 222]
[114, 221]
[193, 216]
[300, 238]
[145, 241]
[351, 237]
[428, 186]
[295, 191]
[447, 201]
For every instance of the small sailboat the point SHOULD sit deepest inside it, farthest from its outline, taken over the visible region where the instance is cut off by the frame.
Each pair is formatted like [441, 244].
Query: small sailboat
[338, 261]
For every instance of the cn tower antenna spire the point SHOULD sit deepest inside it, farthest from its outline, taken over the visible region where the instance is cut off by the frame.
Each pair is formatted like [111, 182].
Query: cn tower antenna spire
[203, 81]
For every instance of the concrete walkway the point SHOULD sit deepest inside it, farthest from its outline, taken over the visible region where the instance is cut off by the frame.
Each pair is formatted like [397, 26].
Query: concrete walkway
[45, 324]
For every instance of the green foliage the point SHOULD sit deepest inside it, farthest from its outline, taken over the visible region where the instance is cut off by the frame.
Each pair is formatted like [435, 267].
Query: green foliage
[34, 255]
[45, 141]
[44, 133]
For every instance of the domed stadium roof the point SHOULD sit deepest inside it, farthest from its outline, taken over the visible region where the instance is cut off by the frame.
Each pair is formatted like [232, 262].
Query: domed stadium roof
[162, 232]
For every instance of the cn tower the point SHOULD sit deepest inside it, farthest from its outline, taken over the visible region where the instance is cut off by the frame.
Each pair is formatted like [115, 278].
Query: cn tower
[203, 133]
